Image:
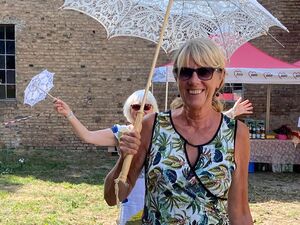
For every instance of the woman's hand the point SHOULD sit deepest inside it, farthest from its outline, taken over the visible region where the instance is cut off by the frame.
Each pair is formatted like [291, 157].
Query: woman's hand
[61, 107]
[130, 142]
[241, 108]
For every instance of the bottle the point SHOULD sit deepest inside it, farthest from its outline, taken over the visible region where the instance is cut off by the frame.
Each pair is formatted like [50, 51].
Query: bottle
[254, 132]
[263, 133]
[250, 131]
[258, 132]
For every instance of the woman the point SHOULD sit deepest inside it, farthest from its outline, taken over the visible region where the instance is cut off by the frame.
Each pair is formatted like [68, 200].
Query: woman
[110, 137]
[196, 159]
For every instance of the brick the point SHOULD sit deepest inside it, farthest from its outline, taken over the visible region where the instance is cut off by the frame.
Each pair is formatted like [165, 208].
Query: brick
[95, 76]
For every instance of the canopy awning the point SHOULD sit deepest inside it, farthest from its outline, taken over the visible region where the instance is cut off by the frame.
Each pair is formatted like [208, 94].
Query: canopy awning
[253, 66]
[248, 56]
[297, 63]
[247, 65]
[263, 76]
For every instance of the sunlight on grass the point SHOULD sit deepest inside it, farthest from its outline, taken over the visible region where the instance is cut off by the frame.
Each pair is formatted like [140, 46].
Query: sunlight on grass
[55, 203]
[3, 193]
[17, 179]
[56, 187]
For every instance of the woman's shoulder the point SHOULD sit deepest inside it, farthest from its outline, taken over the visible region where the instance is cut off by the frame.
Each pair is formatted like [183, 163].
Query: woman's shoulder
[149, 120]
[242, 133]
[242, 127]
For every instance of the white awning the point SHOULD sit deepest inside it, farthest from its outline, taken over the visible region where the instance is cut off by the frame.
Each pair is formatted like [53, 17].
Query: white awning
[242, 75]
[263, 76]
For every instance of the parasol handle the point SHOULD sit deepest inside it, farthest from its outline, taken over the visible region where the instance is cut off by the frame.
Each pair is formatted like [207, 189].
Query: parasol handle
[138, 122]
[45, 92]
[51, 96]
[128, 158]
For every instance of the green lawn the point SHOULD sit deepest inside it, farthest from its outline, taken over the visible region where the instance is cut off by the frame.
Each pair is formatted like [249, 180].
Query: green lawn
[66, 187]
[54, 187]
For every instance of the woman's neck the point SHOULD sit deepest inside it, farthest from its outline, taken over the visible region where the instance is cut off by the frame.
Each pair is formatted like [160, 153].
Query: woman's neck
[203, 117]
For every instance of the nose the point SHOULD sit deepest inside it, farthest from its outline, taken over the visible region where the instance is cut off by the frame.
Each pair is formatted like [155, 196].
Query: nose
[194, 77]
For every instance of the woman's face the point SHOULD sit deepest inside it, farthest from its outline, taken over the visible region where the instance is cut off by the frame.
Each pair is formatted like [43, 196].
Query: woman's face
[197, 93]
[148, 108]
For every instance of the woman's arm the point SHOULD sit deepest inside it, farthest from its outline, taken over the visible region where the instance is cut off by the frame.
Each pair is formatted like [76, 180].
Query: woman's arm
[103, 137]
[130, 143]
[238, 206]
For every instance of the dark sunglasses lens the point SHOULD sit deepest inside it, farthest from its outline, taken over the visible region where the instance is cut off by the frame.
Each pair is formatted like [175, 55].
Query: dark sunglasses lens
[185, 73]
[147, 107]
[136, 107]
[205, 73]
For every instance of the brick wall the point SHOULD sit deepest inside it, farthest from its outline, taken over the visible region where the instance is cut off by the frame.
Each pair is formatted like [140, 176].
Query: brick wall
[287, 12]
[95, 76]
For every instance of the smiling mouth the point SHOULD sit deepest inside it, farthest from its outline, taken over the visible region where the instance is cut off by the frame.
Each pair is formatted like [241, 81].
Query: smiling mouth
[195, 92]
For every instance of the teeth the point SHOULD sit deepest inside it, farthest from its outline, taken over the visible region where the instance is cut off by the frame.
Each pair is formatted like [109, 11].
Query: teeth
[194, 92]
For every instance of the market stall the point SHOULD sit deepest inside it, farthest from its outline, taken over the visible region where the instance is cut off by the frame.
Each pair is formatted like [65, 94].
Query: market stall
[282, 154]
[263, 70]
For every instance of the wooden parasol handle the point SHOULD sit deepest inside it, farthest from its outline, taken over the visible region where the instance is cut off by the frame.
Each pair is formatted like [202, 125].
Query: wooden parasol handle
[53, 98]
[138, 122]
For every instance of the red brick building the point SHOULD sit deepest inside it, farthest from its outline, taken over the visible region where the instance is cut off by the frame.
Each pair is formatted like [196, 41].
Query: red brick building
[95, 75]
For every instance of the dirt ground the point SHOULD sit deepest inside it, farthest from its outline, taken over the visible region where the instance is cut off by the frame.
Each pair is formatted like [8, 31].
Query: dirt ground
[275, 198]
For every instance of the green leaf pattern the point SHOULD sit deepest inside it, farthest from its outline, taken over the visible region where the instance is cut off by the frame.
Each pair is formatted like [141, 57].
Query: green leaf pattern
[179, 194]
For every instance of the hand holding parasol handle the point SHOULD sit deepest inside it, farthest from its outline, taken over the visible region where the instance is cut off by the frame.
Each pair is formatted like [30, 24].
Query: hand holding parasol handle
[128, 158]
[138, 122]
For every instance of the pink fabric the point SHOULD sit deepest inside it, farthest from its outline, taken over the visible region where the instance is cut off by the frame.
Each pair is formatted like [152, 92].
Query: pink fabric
[248, 56]
[297, 63]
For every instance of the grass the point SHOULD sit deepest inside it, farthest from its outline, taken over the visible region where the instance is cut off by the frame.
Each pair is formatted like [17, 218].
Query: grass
[54, 187]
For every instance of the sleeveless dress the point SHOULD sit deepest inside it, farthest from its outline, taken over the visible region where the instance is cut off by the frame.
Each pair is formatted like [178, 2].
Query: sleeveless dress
[134, 203]
[178, 193]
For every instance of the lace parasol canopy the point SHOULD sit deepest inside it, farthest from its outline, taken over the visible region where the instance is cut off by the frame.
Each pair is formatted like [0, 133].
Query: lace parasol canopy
[229, 23]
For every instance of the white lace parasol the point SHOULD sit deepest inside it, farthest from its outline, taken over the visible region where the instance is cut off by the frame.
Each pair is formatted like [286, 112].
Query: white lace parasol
[38, 88]
[229, 23]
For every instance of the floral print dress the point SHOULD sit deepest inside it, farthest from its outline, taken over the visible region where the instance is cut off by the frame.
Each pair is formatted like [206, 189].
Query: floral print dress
[178, 193]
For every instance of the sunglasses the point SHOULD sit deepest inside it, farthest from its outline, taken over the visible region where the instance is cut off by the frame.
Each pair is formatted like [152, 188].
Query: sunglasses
[136, 107]
[203, 73]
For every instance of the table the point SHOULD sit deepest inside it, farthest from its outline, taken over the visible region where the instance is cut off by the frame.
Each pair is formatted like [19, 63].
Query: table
[274, 151]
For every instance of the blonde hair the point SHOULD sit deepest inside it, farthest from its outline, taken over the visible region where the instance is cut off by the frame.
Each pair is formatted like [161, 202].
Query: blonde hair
[176, 103]
[205, 53]
[137, 98]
